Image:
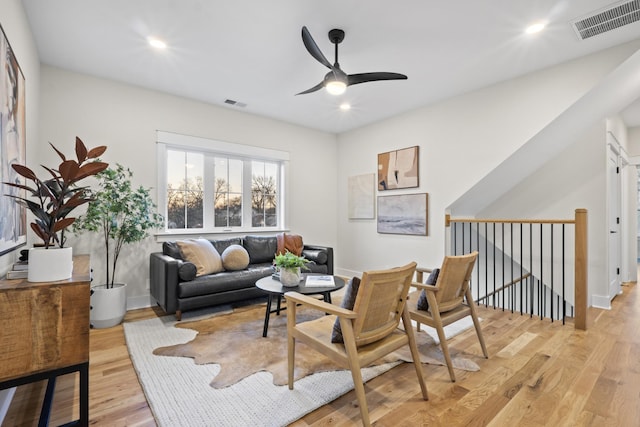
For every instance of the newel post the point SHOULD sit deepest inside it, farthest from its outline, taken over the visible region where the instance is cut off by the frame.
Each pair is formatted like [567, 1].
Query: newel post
[581, 268]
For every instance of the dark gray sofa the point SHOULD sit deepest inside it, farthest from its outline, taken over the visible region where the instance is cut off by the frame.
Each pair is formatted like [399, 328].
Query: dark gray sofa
[174, 290]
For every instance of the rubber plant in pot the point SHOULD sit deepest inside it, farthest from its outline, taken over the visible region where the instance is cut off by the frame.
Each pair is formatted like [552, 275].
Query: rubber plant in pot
[121, 214]
[289, 265]
[56, 196]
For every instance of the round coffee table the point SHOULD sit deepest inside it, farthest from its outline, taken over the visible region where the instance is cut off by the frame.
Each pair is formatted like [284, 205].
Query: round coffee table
[274, 288]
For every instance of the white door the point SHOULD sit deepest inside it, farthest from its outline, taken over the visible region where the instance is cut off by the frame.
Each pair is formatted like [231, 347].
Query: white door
[614, 223]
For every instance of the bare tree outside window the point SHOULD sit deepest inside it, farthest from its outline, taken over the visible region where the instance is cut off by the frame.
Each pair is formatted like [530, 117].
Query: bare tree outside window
[263, 194]
[227, 198]
[185, 190]
[212, 191]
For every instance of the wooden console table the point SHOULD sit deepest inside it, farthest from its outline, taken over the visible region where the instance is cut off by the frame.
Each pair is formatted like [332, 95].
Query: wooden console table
[45, 334]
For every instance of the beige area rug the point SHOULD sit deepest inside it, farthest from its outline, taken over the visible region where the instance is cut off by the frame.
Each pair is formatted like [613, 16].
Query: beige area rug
[179, 392]
[235, 342]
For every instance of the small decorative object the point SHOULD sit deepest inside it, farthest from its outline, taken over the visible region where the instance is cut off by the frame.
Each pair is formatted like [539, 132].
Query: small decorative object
[403, 214]
[398, 169]
[289, 265]
[121, 214]
[55, 198]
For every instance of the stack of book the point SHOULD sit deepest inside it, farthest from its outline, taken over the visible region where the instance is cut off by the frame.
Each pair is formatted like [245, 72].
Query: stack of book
[19, 270]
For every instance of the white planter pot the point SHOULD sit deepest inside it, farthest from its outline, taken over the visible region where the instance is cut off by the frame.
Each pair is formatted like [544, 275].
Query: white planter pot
[50, 265]
[290, 277]
[108, 306]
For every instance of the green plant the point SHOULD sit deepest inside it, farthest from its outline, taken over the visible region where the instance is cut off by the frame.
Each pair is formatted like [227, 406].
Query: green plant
[289, 261]
[57, 196]
[121, 213]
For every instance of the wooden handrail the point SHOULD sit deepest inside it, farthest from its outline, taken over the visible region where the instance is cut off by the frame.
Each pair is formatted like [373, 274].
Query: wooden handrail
[507, 285]
[448, 220]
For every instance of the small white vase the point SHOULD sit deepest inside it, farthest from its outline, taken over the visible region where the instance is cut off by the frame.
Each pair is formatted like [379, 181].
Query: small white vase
[50, 265]
[290, 277]
[108, 305]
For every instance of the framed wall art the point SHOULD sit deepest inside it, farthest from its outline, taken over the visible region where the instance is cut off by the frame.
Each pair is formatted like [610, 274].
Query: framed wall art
[403, 214]
[13, 219]
[398, 169]
[361, 193]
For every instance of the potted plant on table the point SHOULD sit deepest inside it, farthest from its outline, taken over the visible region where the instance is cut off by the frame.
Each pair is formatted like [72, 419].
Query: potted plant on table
[55, 198]
[122, 215]
[289, 265]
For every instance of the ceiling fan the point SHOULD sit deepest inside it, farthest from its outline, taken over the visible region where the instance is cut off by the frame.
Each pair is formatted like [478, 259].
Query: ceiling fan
[336, 80]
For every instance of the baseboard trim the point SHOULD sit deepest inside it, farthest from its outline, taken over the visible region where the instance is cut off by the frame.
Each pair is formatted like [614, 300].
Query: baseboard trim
[600, 301]
[141, 301]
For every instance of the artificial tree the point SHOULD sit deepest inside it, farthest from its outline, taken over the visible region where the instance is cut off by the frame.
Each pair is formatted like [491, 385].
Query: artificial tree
[120, 213]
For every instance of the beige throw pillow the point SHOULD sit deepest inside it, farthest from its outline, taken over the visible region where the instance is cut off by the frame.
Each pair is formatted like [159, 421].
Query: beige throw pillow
[202, 254]
[235, 257]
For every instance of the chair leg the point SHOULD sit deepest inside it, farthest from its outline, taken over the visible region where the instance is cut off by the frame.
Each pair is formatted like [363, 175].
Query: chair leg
[291, 341]
[354, 365]
[415, 355]
[291, 354]
[445, 352]
[476, 323]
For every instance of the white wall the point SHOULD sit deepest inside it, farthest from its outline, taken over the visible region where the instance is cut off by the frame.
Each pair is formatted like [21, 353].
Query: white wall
[461, 140]
[576, 178]
[16, 27]
[125, 118]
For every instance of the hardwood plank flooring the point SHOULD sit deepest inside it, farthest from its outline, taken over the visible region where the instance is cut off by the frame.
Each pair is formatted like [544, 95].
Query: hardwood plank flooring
[539, 374]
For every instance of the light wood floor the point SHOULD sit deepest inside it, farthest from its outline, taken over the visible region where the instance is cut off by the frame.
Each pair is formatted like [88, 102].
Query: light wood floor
[539, 374]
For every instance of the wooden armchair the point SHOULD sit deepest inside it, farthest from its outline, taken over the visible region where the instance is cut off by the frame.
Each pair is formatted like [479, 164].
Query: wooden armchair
[449, 300]
[370, 330]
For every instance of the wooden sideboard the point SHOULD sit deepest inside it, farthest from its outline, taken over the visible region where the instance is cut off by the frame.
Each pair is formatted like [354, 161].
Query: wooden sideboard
[45, 333]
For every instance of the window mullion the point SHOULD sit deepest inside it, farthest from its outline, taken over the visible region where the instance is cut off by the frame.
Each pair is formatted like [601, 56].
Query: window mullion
[247, 209]
[208, 189]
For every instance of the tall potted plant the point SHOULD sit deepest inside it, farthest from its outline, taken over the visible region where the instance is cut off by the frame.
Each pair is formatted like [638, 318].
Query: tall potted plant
[121, 214]
[56, 196]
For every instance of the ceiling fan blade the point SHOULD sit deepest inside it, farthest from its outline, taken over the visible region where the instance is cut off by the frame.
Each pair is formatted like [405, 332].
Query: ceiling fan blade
[354, 79]
[313, 48]
[313, 89]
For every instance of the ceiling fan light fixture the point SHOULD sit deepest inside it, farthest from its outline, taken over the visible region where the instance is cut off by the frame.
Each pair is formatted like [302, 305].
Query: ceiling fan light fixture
[157, 43]
[336, 87]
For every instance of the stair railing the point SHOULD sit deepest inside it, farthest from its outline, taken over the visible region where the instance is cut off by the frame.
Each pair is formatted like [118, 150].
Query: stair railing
[523, 265]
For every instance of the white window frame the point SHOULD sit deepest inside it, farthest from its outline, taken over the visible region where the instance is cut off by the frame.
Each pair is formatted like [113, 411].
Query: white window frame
[210, 147]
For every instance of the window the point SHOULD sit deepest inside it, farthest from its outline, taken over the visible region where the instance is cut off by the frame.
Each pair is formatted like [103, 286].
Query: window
[212, 186]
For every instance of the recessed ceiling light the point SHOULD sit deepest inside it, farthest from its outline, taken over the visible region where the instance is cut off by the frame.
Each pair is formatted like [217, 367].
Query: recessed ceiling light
[536, 28]
[157, 43]
[344, 106]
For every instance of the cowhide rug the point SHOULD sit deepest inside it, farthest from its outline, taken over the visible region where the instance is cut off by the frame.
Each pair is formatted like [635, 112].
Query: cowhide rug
[235, 342]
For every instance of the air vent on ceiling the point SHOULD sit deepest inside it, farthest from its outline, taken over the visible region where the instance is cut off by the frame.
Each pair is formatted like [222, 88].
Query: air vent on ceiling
[614, 16]
[235, 103]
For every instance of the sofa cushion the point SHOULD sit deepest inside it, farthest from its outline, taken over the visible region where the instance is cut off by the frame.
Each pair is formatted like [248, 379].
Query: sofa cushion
[235, 257]
[171, 249]
[423, 303]
[225, 281]
[348, 301]
[222, 244]
[316, 255]
[202, 254]
[260, 249]
[187, 271]
[289, 242]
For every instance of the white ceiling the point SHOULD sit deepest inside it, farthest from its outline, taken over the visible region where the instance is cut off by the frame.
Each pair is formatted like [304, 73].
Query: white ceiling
[251, 51]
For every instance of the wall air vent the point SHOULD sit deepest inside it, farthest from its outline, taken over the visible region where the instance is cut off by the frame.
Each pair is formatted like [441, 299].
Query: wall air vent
[238, 104]
[614, 16]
